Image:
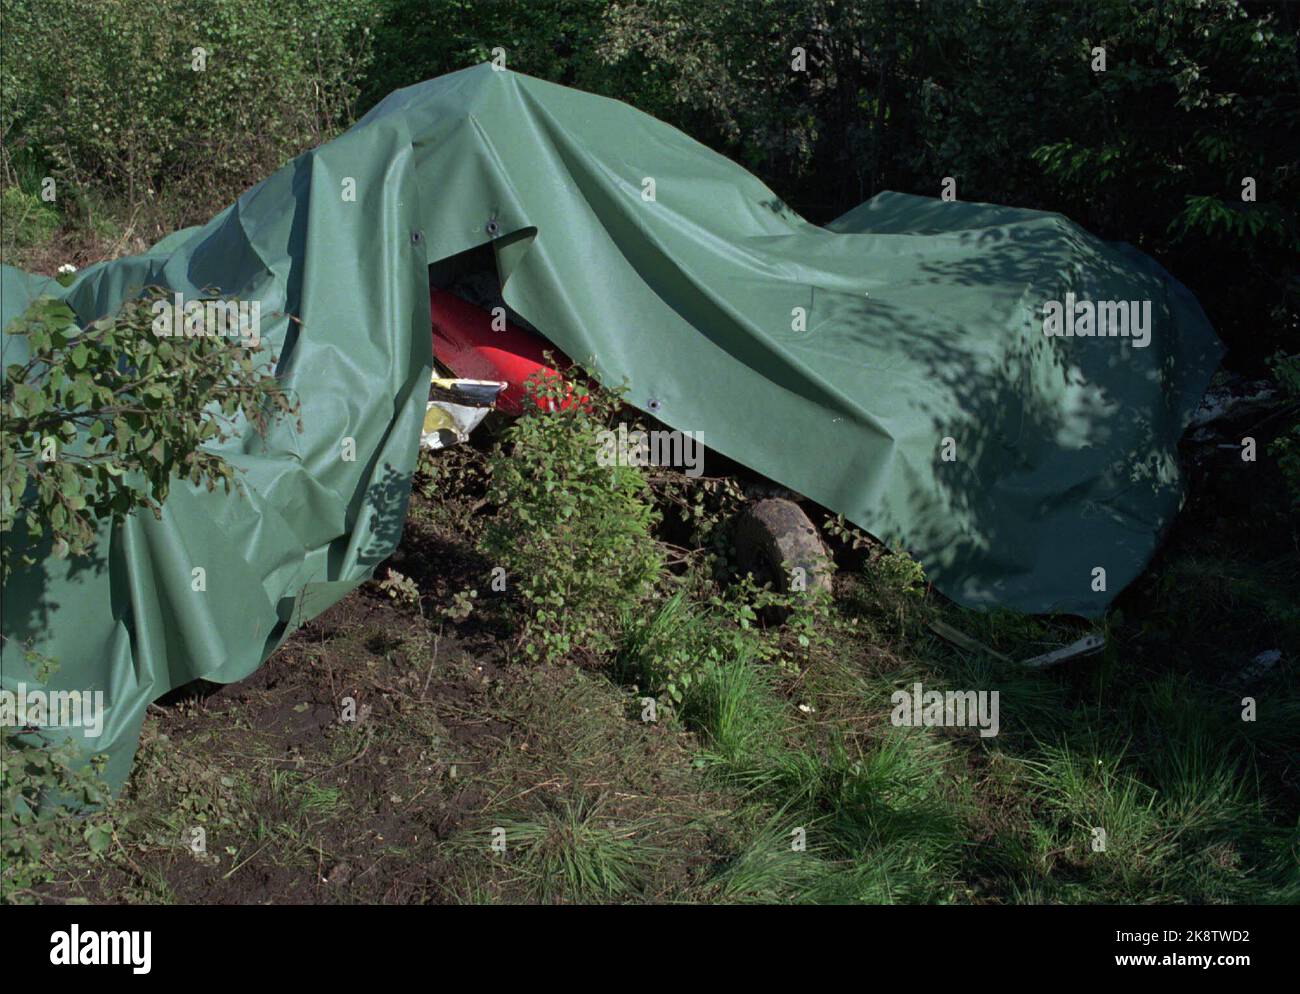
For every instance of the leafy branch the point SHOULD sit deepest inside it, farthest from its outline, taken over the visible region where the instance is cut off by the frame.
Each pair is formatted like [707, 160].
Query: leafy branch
[100, 420]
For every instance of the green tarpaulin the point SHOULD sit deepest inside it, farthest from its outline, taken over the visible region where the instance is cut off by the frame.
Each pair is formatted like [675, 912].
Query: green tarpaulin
[892, 366]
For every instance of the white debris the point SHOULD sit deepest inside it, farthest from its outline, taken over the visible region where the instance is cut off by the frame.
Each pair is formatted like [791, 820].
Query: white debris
[1260, 665]
[1085, 646]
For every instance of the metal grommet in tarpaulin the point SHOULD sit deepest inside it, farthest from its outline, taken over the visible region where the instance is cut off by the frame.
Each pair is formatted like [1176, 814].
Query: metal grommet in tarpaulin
[493, 227]
[417, 237]
[653, 404]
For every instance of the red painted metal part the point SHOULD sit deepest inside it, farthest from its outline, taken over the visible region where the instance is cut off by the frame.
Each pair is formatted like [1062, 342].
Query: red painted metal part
[464, 342]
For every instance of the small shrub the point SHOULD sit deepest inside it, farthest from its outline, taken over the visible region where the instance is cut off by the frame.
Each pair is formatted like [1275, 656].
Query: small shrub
[400, 588]
[898, 572]
[574, 536]
[461, 606]
[891, 598]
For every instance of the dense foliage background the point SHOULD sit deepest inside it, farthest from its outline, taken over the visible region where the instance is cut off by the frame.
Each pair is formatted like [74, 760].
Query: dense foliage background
[1197, 96]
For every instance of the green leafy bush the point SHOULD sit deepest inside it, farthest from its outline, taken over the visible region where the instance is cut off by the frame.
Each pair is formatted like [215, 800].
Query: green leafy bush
[52, 802]
[574, 536]
[206, 96]
[417, 40]
[100, 420]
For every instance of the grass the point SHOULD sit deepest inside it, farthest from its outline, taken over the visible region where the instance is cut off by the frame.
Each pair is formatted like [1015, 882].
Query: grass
[572, 853]
[876, 819]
